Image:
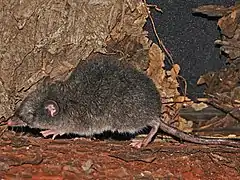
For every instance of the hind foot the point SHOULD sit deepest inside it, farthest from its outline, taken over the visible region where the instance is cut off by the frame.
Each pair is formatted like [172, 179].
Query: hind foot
[143, 143]
[137, 143]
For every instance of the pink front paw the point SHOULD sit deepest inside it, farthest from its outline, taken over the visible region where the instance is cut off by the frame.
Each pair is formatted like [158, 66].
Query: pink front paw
[51, 132]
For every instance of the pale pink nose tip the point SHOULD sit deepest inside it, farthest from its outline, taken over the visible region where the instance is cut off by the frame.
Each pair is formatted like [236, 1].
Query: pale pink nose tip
[11, 123]
[15, 122]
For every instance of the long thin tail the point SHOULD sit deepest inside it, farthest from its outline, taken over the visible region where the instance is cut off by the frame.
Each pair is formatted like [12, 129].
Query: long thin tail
[195, 139]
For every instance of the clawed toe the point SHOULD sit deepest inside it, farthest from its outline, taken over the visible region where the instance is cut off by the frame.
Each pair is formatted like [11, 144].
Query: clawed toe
[136, 144]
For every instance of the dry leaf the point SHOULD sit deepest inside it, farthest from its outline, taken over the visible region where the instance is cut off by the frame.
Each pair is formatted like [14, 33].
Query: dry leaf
[212, 10]
[184, 125]
[175, 71]
[199, 107]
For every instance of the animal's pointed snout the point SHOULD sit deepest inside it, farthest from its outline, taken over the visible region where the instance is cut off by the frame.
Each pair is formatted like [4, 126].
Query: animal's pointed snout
[15, 121]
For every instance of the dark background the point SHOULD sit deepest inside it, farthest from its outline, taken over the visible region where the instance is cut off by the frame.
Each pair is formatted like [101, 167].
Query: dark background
[190, 38]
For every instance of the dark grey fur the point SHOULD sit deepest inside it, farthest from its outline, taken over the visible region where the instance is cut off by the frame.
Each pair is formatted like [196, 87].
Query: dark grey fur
[101, 94]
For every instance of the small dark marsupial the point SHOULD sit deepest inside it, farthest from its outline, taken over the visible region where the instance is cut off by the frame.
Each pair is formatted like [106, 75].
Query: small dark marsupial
[101, 94]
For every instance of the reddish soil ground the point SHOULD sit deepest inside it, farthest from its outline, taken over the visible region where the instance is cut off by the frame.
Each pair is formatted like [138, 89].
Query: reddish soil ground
[24, 157]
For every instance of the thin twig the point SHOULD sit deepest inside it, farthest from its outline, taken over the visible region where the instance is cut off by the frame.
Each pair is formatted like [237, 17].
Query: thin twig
[156, 34]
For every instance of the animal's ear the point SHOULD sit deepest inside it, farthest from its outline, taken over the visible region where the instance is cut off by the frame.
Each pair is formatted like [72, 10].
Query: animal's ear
[51, 108]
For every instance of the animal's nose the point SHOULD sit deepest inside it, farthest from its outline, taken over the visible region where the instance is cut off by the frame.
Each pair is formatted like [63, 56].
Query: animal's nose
[15, 121]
